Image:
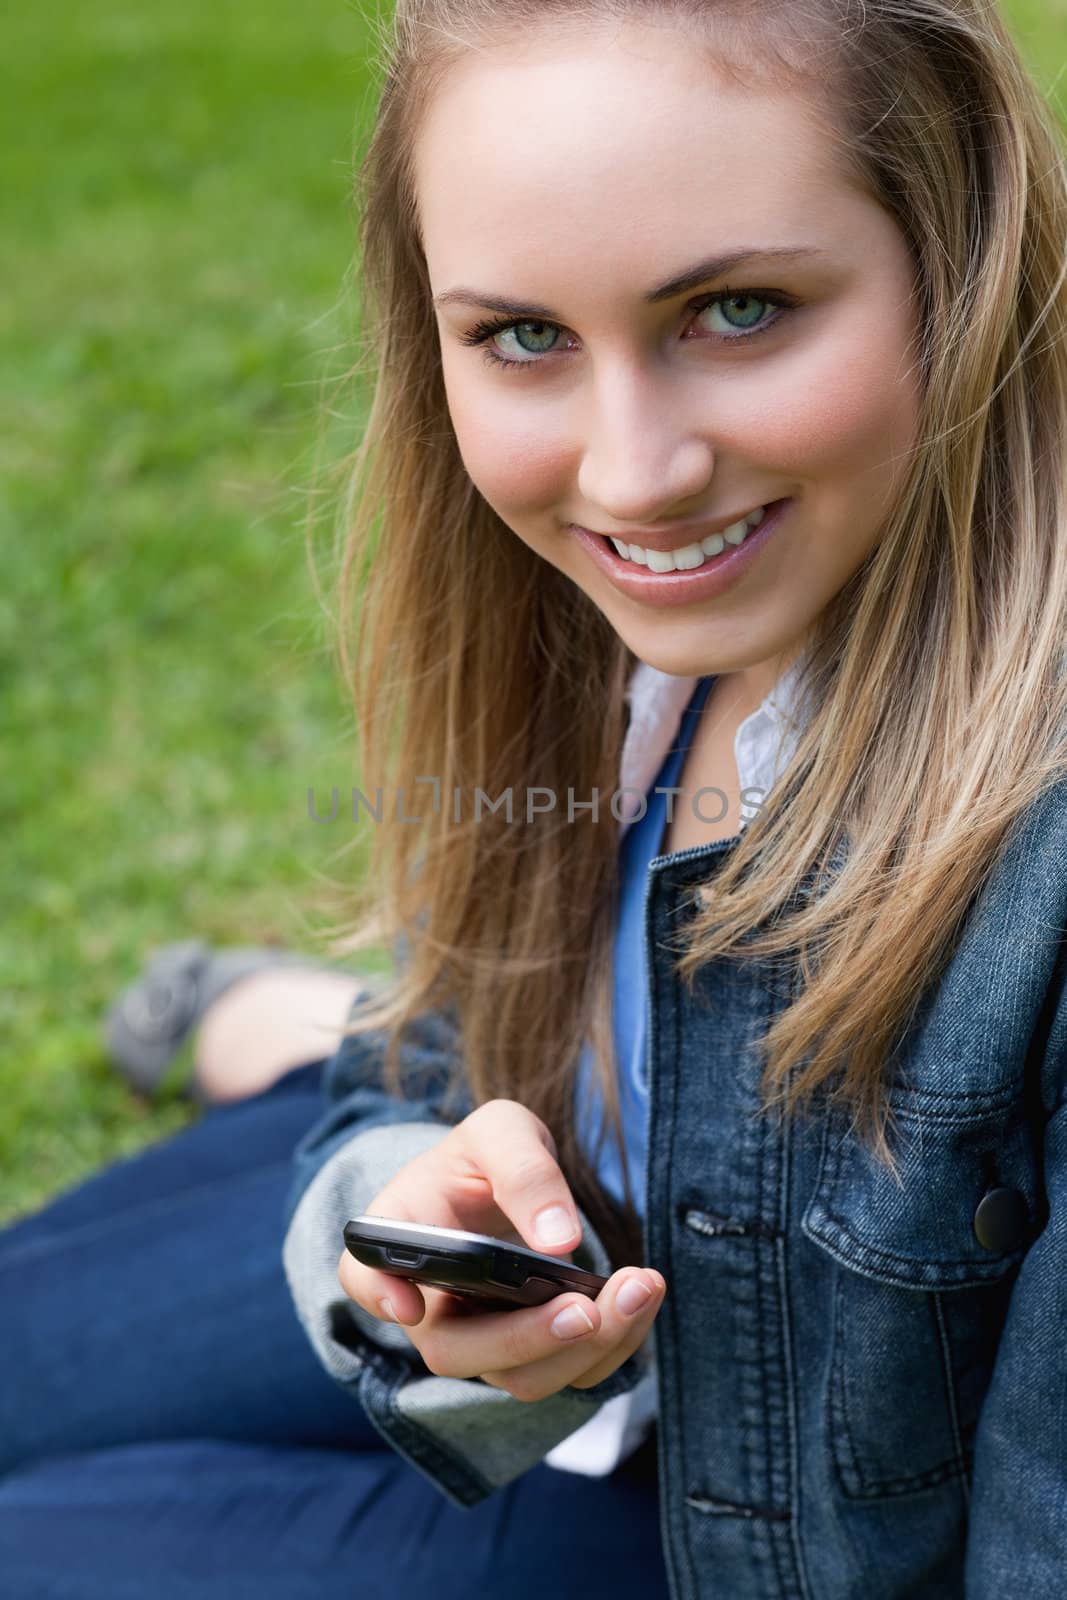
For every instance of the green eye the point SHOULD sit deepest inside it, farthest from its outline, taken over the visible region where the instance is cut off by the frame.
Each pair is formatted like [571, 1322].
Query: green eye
[750, 301]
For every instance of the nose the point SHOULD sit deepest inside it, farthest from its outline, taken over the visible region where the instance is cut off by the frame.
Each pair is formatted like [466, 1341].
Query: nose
[644, 460]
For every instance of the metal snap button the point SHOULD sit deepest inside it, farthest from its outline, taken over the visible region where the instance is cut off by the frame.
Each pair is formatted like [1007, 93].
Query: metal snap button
[1002, 1220]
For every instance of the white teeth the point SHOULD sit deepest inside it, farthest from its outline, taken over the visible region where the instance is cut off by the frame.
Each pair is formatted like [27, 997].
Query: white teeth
[690, 556]
[660, 560]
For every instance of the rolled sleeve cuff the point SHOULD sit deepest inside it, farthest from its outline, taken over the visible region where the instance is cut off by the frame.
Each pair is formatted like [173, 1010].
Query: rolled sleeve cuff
[466, 1436]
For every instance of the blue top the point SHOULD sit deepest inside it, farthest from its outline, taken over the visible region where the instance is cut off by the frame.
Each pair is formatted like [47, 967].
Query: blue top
[641, 844]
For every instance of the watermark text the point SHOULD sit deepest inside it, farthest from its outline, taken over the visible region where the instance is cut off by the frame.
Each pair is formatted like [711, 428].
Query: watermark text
[523, 806]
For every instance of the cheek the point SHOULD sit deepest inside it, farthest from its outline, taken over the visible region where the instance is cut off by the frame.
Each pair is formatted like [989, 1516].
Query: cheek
[855, 411]
[513, 453]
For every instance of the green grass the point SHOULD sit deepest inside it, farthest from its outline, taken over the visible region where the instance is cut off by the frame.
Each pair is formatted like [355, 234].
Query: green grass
[177, 230]
[174, 235]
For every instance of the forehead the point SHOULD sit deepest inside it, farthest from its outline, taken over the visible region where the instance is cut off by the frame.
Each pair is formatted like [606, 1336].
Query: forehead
[628, 143]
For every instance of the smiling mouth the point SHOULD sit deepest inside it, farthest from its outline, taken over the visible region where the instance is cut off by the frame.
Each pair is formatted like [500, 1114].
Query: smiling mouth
[687, 558]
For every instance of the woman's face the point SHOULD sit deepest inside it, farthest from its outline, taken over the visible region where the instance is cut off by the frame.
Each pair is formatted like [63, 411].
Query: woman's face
[573, 178]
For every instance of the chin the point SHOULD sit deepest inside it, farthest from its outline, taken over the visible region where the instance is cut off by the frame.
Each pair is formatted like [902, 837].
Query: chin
[670, 662]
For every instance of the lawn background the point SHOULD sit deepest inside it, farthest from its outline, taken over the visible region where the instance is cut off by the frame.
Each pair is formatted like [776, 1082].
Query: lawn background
[175, 233]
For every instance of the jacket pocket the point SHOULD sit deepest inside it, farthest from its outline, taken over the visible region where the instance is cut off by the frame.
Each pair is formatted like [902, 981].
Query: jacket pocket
[917, 1300]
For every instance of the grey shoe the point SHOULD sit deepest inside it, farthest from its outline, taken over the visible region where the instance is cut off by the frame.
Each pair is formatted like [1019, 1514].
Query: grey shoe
[151, 1020]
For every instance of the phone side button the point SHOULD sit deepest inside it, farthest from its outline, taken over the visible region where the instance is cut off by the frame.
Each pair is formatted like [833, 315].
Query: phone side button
[509, 1270]
[404, 1258]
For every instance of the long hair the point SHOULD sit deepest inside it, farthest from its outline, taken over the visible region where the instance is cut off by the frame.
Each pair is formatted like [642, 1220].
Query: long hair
[935, 679]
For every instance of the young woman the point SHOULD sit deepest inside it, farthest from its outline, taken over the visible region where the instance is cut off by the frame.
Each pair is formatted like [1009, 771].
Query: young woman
[709, 545]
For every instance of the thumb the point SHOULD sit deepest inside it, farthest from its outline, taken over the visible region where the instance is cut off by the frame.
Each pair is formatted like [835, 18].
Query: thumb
[516, 1152]
[555, 1225]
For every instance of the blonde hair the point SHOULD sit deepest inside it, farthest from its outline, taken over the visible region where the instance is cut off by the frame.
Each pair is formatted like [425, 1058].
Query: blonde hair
[935, 677]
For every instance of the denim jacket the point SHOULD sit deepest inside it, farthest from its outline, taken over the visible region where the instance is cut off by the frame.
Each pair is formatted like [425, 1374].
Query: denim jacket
[862, 1383]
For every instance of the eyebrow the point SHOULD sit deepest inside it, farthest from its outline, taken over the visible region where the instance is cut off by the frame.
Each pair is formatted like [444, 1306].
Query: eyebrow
[700, 272]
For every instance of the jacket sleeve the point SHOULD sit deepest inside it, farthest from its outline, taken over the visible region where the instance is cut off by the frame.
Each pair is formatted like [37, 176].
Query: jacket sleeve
[1017, 1536]
[466, 1436]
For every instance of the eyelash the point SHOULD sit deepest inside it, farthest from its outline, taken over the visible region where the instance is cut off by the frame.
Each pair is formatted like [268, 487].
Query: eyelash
[483, 331]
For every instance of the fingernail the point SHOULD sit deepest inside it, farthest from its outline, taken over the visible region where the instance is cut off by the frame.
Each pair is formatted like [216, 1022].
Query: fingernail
[386, 1308]
[554, 1225]
[632, 1296]
[571, 1323]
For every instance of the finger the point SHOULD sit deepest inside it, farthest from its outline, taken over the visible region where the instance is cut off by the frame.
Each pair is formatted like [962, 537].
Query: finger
[466, 1346]
[568, 1330]
[384, 1294]
[642, 1323]
[621, 1333]
[390, 1298]
[517, 1153]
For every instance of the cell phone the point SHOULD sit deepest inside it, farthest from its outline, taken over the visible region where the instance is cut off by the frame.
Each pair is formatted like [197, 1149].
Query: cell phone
[473, 1265]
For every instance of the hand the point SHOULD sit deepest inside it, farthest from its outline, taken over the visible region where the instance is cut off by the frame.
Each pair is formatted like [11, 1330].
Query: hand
[496, 1172]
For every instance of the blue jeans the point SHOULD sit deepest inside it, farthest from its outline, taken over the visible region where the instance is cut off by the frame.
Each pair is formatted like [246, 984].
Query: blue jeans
[166, 1430]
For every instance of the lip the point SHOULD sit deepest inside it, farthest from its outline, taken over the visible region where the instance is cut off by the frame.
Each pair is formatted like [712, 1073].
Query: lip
[705, 582]
[674, 537]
